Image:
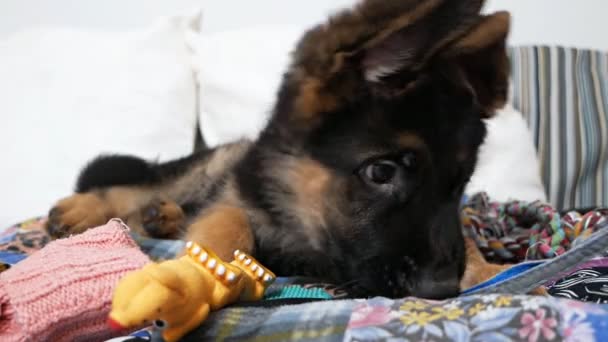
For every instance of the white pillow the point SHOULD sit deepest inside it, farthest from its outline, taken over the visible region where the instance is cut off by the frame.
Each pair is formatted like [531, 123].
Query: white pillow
[508, 166]
[239, 73]
[67, 95]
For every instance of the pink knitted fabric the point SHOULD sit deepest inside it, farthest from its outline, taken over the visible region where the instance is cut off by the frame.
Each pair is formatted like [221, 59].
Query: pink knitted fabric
[63, 292]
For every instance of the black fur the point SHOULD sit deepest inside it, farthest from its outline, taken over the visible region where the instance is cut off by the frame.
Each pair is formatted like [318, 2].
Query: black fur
[112, 170]
[425, 224]
[315, 187]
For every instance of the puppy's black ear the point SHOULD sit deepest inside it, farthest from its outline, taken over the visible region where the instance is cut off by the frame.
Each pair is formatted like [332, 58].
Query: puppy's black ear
[363, 48]
[407, 45]
[482, 56]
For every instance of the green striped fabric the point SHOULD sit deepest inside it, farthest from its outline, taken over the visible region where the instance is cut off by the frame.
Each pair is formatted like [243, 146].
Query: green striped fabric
[563, 93]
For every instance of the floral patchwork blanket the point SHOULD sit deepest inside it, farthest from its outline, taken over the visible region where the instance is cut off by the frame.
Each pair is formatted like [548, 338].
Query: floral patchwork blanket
[577, 309]
[481, 318]
[476, 318]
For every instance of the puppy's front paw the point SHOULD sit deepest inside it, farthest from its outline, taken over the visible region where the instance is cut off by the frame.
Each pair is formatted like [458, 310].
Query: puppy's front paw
[76, 214]
[485, 271]
[539, 291]
[479, 270]
[162, 219]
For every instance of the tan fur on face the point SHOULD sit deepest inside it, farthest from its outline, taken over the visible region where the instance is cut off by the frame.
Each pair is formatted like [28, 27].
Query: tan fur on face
[312, 100]
[307, 183]
[411, 141]
[310, 181]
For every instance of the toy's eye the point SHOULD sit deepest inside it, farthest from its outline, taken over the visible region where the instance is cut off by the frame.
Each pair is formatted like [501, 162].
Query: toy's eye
[381, 172]
[160, 324]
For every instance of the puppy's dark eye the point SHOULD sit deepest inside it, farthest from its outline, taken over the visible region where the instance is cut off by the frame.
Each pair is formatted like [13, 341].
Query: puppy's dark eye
[381, 172]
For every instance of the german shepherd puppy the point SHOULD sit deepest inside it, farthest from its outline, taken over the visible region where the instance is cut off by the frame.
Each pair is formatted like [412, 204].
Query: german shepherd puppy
[357, 177]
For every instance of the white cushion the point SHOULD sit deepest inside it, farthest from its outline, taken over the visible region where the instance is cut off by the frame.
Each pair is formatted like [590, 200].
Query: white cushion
[508, 167]
[239, 74]
[67, 95]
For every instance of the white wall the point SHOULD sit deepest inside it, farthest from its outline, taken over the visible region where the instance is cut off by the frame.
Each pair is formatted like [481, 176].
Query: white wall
[221, 14]
[121, 14]
[582, 23]
[113, 14]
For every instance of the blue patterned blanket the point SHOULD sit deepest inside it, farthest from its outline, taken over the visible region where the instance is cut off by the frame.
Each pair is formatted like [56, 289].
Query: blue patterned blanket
[577, 310]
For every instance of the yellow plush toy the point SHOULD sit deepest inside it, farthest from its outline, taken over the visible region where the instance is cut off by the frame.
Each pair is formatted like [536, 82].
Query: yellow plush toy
[178, 294]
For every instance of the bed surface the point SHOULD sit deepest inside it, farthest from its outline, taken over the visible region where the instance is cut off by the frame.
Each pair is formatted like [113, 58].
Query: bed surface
[576, 309]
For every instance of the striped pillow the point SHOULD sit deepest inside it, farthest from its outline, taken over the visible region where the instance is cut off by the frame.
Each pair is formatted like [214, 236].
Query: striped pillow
[563, 93]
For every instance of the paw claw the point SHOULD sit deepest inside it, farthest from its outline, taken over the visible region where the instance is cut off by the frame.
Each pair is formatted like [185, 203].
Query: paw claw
[150, 213]
[75, 214]
[162, 219]
[54, 212]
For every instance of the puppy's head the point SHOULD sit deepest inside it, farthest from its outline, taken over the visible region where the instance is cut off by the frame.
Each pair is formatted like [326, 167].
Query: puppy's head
[383, 109]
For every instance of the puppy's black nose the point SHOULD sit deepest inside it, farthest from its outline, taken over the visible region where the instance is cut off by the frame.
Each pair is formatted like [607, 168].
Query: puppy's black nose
[434, 290]
[437, 284]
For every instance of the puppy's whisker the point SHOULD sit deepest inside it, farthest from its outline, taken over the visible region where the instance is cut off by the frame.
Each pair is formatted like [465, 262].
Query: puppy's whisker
[348, 284]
